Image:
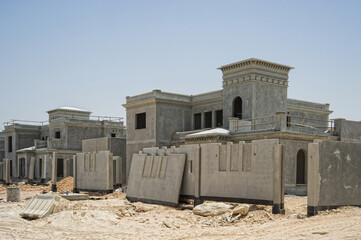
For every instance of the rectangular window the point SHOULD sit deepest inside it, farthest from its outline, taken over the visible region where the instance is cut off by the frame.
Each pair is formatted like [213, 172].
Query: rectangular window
[57, 134]
[140, 121]
[219, 118]
[113, 135]
[208, 119]
[10, 144]
[197, 121]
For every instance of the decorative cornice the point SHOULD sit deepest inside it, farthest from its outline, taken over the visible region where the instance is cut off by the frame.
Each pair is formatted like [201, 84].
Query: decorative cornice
[255, 78]
[255, 62]
[155, 101]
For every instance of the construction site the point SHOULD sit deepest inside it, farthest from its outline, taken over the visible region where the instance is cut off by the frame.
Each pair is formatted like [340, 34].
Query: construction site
[244, 161]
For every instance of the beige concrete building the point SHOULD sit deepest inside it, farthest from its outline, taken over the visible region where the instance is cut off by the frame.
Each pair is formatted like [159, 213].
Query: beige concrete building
[62, 134]
[253, 104]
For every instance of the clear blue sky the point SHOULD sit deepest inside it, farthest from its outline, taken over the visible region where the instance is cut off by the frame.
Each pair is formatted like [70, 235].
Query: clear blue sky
[92, 54]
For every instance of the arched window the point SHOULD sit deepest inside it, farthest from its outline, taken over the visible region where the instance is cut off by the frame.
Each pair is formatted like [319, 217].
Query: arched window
[237, 107]
[301, 167]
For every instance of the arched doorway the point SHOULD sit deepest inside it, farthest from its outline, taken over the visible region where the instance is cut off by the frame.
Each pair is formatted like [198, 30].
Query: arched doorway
[301, 167]
[237, 107]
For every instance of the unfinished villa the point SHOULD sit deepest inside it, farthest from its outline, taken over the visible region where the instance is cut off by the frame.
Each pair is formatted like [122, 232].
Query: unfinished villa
[247, 142]
[40, 151]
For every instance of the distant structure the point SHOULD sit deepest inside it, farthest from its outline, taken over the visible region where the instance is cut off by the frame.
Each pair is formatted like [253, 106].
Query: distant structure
[252, 105]
[60, 137]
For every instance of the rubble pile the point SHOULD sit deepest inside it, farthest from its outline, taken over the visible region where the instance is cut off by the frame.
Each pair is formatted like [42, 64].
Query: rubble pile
[65, 184]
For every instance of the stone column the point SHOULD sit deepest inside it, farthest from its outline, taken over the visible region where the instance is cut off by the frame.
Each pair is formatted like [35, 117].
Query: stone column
[31, 170]
[44, 166]
[202, 120]
[7, 171]
[75, 179]
[66, 167]
[54, 171]
[278, 180]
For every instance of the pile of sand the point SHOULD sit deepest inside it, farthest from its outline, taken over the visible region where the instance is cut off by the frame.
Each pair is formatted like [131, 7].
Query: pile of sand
[65, 184]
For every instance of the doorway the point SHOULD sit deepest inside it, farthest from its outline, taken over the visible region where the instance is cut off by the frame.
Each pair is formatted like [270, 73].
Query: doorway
[301, 167]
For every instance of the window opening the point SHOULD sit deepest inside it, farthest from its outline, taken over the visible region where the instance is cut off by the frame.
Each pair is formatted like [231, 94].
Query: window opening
[208, 119]
[197, 121]
[140, 122]
[237, 108]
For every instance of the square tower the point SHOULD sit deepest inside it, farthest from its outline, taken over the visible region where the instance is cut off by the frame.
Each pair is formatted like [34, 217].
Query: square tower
[254, 88]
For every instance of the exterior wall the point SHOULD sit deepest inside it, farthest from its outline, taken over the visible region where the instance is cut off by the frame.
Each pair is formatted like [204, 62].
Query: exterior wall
[242, 172]
[334, 175]
[137, 139]
[349, 131]
[176, 118]
[94, 171]
[2, 147]
[207, 107]
[306, 114]
[117, 146]
[23, 136]
[291, 148]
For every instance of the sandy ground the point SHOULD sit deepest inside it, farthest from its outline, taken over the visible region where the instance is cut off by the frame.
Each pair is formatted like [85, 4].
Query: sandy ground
[115, 218]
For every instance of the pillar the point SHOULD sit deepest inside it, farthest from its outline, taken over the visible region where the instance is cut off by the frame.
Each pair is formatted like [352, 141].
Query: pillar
[31, 169]
[278, 180]
[54, 171]
[75, 177]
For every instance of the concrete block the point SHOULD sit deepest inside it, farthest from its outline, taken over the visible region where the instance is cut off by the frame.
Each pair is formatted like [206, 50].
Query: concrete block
[13, 194]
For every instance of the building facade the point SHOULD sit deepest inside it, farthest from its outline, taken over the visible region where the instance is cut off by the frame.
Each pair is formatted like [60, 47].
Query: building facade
[253, 104]
[61, 136]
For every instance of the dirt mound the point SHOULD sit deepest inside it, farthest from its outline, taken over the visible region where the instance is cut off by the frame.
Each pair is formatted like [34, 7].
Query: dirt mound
[65, 184]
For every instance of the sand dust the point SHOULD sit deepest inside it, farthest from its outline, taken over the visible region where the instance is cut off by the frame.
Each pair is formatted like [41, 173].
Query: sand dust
[116, 218]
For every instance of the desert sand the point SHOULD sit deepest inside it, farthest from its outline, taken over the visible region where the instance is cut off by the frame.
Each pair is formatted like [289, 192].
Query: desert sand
[113, 217]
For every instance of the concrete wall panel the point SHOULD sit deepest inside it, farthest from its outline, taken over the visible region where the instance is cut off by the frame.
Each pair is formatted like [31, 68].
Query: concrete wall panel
[94, 171]
[156, 179]
[334, 175]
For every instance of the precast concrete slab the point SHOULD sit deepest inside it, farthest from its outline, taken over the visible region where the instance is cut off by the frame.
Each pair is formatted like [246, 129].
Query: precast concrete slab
[40, 206]
[156, 179]
[75, 196]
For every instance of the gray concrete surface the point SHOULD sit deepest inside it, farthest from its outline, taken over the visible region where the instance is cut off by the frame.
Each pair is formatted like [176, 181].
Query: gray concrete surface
[94, 171]
[333, 175]
[156, 179]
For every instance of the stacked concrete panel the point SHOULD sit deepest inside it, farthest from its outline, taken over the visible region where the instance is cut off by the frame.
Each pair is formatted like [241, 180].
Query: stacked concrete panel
[333, 175]
[93, 171]
[242, 172]
[156, 179]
